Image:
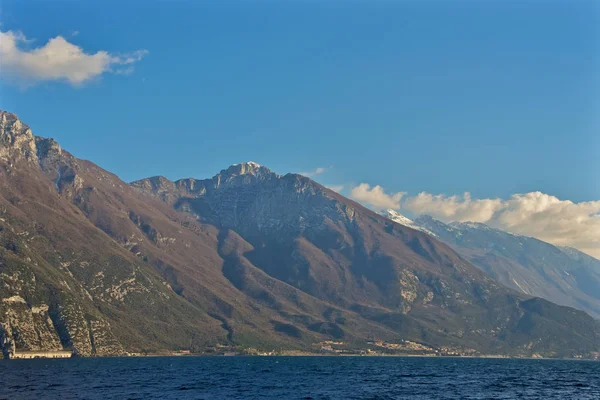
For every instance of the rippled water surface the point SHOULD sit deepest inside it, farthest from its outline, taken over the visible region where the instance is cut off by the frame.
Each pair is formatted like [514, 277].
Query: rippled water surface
[298, 378]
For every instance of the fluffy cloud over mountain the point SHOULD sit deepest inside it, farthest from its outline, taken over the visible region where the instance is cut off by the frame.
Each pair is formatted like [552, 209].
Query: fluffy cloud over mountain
[453, 208]
[535, 214]
[58, 60]
[376, 196]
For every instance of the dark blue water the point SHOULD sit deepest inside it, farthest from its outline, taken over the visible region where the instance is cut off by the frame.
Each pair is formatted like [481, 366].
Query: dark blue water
[298, 378]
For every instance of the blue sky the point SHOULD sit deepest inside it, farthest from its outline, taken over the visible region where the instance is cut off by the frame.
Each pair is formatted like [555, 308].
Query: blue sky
[488, 97]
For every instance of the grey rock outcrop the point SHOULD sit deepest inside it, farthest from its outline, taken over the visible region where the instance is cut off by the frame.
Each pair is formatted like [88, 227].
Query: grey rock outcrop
[16, 139]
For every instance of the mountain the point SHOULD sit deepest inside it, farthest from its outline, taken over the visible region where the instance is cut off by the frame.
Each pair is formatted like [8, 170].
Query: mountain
[248, 258]
[562, 275]
[402, 220]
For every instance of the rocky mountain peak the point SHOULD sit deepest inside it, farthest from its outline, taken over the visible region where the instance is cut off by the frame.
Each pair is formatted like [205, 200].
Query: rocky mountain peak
[245, 168]
[248, 164]
[157, 185]
[243, 173]
[154, 183]
[16, 139]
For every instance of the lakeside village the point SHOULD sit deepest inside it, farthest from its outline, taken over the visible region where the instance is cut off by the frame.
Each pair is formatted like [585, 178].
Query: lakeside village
[335, 348]
[405, 348]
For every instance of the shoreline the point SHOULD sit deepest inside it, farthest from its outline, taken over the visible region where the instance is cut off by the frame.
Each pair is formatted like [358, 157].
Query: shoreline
[486, 357]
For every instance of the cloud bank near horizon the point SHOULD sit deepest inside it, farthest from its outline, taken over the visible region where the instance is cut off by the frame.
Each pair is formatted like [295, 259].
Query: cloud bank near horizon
[58, 60]
[535, 214]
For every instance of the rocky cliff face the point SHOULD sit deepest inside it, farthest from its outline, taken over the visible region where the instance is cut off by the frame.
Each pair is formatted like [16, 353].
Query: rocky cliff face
[41, 313]
[16, 140]
[25, 327]
[248, 257]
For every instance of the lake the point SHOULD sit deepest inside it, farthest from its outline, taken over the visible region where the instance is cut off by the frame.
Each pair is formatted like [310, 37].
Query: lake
[298, 378]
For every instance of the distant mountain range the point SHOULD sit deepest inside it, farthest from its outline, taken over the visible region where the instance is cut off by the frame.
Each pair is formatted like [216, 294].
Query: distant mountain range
[247, 258]
[562, 275]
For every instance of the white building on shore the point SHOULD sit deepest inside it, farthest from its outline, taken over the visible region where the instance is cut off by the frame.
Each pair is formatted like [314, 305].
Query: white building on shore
[41, 354]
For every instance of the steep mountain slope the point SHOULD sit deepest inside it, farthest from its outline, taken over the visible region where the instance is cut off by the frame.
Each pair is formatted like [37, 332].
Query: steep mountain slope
[562, 275]
[248, 257]
[65, 282]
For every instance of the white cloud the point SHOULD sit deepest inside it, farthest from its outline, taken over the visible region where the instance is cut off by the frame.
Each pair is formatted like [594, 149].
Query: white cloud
[58, 60]
[536, 214]
[317, 171]
[454, 208]
[376, 196]
[548, 218]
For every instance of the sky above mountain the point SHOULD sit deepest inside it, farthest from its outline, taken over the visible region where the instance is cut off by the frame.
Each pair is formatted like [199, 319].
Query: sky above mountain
[466, 110]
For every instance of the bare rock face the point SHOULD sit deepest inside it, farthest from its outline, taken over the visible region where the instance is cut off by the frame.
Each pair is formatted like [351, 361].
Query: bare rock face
[48, 150]
[31, 319]
[248, 196]
[17, 143]
[27, 328]
[158, 186]
[59, 166]
[16, 139]
[105, 342]
[85, 335]
[23, 325]
[409, 284]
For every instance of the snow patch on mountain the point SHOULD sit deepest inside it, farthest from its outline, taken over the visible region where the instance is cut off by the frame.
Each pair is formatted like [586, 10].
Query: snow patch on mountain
[249, 163]
[402, 220]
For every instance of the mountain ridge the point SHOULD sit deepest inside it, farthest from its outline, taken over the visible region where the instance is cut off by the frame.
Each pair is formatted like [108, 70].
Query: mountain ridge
[246, 258]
